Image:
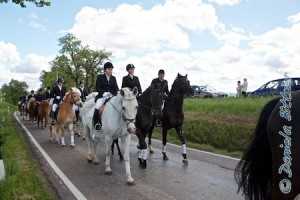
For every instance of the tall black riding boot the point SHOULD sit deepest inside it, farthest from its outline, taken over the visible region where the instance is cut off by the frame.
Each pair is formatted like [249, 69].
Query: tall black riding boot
[97, 123]
[77, 115]
[52, 117]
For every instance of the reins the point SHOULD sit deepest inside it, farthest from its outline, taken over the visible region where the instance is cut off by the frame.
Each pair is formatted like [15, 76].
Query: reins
[122, 116]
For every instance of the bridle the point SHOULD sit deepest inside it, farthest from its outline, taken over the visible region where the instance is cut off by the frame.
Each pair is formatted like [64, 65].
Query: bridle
[127, 120]
[153, 107]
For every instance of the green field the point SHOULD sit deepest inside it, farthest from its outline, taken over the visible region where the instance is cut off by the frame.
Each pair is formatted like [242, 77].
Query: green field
[220, 125]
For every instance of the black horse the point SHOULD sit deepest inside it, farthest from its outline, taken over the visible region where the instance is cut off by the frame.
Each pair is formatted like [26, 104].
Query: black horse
[150, 103]
[173, 115]
[270, 167]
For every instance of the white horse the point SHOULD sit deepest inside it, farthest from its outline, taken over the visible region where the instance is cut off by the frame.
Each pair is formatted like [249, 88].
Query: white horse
[118, 120]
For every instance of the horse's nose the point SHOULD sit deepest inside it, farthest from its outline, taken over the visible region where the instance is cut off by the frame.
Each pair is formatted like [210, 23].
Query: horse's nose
[131, 130]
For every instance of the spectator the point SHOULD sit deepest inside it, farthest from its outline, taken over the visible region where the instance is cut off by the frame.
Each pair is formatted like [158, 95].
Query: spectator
[244, 87]
[238, 90]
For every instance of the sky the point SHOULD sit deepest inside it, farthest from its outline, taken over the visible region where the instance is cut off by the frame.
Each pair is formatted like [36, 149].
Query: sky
[214, 42]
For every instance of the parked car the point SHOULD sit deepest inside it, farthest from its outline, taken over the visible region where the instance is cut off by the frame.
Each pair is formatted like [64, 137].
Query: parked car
[200, 93]
[212, 90]
[274, 87]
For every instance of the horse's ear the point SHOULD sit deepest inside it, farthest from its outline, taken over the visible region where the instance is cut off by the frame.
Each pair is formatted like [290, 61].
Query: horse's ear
[186, 76]
[135, 91]
[122, 92]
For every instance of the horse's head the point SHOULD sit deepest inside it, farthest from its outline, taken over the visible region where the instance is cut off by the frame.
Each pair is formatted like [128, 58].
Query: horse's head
[182, 84]
[129, 107]
[75, 96]
[157, 97]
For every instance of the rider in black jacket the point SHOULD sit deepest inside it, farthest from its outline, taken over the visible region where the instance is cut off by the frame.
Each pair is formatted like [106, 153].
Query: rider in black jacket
[130, 80]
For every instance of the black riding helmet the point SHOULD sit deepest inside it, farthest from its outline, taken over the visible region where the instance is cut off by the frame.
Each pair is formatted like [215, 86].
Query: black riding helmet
[129, 66]
[60, 80]
[108, 65]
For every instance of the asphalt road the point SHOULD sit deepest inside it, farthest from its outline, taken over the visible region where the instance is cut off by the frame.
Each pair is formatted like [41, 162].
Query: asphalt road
[207, 176]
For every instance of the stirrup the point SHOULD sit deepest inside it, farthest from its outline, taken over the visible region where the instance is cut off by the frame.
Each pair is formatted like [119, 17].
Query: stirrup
[158, 123]
[98, 127]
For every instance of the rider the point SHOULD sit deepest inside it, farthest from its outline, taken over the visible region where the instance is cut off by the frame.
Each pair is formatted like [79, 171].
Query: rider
[58, 92]
[84, 94]
[32, 95]
[107, 87]
[48, 92]
[130, 80]
[39, 98]
[160, 82]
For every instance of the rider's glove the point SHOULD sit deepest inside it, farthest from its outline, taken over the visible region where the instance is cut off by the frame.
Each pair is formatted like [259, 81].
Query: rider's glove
[58, 97]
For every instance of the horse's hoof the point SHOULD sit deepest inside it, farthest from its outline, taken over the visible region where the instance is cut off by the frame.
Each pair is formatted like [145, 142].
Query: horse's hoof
[165, 157]
[89, 160]
[140, 160]
[151, 152]
[83, 138]
[131, 183]
[62, 145]
[185, 161]
[143, 164]
[108, 172]
[72, 146]
[121, 158]
[138, 146]
[96, 162]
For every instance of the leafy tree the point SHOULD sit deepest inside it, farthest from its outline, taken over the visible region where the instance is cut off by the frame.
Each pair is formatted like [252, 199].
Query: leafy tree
[22, 3]
[13, 90]
[75, 63]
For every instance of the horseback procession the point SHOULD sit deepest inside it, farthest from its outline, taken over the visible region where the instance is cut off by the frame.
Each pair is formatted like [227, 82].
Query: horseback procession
[111, 113]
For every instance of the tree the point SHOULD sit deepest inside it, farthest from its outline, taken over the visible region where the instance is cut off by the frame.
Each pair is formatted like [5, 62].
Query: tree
[13, 91]
[22, 3]
[75, 63]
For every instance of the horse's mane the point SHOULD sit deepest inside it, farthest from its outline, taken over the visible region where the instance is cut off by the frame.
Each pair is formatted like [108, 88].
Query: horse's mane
[74, 89]
[91, 96]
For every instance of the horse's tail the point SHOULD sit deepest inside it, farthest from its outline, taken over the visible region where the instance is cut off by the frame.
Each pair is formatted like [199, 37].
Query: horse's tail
[254, 171]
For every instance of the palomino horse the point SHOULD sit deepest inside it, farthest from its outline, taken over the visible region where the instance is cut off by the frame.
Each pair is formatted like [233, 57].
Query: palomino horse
[66, 116]
[117, 122]
[173, 115]
[30, 109]
[43, 113]
[270, 167]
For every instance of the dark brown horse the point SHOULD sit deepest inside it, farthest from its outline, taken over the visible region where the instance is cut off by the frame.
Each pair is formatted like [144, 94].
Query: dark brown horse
[270, 167]
[173, 115]
[43, 113]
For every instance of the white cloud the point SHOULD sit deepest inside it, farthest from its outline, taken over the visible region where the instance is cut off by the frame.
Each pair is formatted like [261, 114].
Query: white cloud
[225, 2]
[8, 52]
[37, 25]
[294, 18]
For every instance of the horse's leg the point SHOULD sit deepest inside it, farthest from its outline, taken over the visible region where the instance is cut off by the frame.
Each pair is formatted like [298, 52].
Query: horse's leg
[116, 141]
[72, 134]
[62, 134]
[143, 153]
[125, 144]
[183, 145]
[151, 128]
[50, 131]
[164, 141]
[89, 141]
[94, 153]
[108, 143]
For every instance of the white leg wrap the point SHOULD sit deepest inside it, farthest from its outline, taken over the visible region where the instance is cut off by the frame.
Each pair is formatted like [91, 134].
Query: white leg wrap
[72, 138]
[140, 154]
[145, 154]
[184, 149]
[127, 166]
[62, 140]
[164, 149]
[107, 161]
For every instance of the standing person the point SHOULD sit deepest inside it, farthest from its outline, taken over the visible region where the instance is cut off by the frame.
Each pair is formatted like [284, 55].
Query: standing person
[130, 80]
[107, 87]
[57, 93]
[162, 83]
[244, 87]
[238, 90]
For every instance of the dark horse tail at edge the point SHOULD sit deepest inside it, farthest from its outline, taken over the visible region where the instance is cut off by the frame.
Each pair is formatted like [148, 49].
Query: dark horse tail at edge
[253, 173]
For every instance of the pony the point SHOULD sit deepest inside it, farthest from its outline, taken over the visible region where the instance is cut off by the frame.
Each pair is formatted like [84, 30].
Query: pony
[118, 121]
[30, 109]
[43, 113]
[270, 166]
[66, 115]
[173, 115]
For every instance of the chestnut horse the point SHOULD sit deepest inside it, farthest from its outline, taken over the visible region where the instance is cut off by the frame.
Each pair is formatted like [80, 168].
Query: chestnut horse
[30, 109]
[270, 167]
[66, 116]
[43, 113]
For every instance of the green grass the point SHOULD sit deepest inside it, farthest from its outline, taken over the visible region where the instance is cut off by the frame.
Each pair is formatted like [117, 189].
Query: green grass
[220, 125]
[23, 178]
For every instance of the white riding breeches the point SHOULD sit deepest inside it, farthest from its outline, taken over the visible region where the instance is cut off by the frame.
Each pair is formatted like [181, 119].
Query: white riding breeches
[54, 107]
[102, 100]
[75, 107]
